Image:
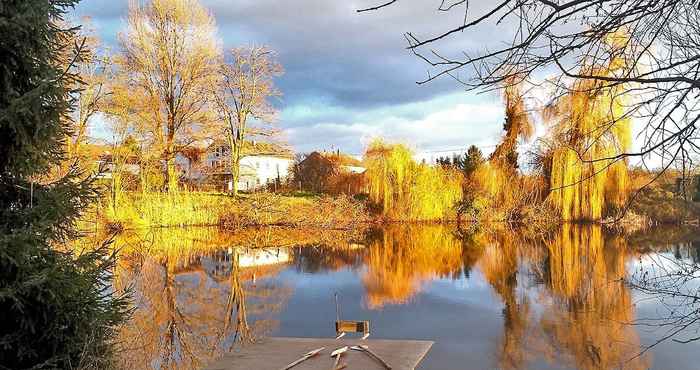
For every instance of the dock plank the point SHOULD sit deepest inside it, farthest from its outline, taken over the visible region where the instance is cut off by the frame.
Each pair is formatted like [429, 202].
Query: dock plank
[275, 353]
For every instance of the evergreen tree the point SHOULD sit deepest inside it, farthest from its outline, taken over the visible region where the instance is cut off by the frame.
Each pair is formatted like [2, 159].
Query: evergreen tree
[56, 307]
[472, 160]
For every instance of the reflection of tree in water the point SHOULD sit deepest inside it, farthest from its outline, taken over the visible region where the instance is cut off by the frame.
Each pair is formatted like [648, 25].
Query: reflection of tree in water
[192, 310]
[322, 258]
[668, 277]
[400, 258]
[587, 308]
[499, 263]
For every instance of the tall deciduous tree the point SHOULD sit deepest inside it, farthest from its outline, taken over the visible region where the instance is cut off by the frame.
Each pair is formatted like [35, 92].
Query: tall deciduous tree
[93, 70]
[167, 66]
[56, 307]
[244, 93]
[516, 127]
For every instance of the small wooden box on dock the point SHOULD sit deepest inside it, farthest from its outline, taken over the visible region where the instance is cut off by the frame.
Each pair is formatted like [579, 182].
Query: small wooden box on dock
[276, 353]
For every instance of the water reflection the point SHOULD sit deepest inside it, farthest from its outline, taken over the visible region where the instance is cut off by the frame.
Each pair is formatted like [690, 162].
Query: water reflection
[559, 299]
[194, 298]
[401, 258]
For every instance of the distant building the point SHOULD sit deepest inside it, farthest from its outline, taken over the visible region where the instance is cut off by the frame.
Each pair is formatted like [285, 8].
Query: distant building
[107, 164]
[261, 164]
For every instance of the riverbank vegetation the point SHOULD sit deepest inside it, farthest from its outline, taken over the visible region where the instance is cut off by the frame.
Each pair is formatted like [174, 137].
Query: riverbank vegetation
[184, 208]
[575, 171]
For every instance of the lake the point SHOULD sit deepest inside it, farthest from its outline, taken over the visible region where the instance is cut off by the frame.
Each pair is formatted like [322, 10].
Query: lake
[578, 297]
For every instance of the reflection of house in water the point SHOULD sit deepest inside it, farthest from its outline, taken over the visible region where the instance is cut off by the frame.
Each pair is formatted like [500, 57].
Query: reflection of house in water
[219, 264]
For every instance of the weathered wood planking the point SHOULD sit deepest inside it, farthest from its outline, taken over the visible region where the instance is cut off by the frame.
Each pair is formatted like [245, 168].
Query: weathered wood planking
[275, 353]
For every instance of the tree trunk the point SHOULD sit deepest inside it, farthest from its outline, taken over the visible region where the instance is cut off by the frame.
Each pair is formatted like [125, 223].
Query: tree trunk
[235, 170]
[170, 173]
[235, 162]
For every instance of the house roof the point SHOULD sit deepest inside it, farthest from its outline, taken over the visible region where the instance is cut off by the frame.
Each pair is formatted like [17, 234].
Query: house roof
[259, 148]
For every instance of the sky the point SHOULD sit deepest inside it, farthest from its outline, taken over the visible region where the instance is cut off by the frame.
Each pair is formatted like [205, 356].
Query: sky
[348, 76]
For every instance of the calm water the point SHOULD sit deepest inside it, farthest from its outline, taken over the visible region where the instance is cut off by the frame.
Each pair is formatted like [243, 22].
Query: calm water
[492, 299]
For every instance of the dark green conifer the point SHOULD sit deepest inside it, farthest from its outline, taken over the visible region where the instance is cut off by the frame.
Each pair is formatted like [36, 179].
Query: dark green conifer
[56, 307]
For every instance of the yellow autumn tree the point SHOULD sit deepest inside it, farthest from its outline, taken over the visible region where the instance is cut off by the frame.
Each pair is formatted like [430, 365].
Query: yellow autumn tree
[497, 191]
[406, 190]
[242, 96]
[589, 131]
[518, 126]
[165, 70]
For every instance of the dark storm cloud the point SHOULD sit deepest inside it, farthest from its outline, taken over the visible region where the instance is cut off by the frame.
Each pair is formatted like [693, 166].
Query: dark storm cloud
[348, 76]
[328, 50]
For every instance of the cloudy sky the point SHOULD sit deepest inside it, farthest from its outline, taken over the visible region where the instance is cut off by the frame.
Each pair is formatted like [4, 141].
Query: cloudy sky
[348, 77]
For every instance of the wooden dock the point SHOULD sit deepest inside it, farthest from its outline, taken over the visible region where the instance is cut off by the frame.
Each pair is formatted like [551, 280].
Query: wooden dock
[275, 353]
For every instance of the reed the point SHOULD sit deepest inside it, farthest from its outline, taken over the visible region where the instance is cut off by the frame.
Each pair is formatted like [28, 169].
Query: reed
[155, 209]
[175, 209]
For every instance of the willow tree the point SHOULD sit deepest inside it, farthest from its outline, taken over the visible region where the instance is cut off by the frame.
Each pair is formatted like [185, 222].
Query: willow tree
[406, 190]
[517, 126]
[166, 68]
[590, 133]
[242, 95]
[499, 188]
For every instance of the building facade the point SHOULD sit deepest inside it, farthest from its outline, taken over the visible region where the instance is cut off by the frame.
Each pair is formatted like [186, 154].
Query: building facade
[262, 165]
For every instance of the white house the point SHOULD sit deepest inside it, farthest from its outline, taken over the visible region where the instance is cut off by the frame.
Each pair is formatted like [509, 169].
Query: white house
[262, 164]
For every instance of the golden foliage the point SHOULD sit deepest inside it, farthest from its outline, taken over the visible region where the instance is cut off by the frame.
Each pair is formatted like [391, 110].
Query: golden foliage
[164, 73]
[147, 209]
[589, 131]
[497, 192]
[406, 190]
[518, 126]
